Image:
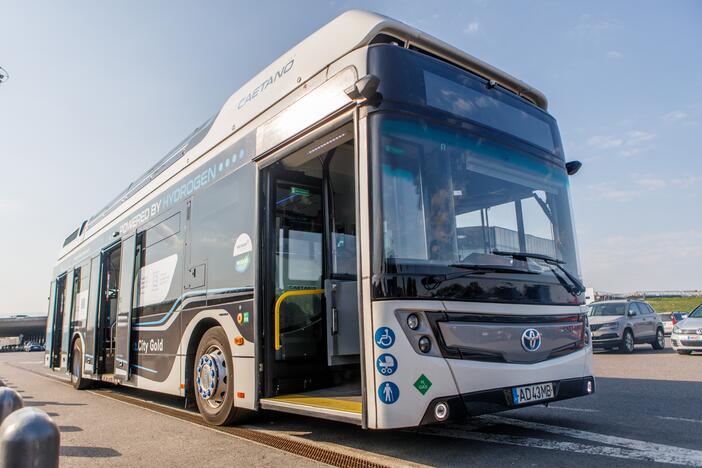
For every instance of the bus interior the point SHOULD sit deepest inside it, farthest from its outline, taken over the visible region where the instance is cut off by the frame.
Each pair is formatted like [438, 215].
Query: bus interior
[310, 273]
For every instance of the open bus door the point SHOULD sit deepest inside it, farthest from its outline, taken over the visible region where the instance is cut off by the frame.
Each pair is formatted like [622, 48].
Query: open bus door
[53, 345]
[107, 312]
[311, 314]
[123, 324]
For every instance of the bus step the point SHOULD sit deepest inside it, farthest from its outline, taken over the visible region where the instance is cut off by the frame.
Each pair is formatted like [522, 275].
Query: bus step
[336, 409]
[109, 378]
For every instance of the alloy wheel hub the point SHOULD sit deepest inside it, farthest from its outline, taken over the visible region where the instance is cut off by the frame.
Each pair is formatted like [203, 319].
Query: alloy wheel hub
[211, 377]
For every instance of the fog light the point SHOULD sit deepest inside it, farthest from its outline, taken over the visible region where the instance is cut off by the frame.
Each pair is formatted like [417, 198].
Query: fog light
[425, 344]
[589, 386]
[413, 321]
[441, 411]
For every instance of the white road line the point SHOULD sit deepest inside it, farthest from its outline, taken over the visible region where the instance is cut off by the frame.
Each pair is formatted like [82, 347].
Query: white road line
[671, 418]
[533, 442]
[659, 452]
[581, 410]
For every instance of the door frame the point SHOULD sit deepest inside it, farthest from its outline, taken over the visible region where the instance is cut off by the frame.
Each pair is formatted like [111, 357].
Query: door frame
[99, 341]
[266, 236]
[57, 335]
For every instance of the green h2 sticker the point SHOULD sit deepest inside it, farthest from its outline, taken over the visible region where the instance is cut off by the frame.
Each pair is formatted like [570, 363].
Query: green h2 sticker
[422, 384]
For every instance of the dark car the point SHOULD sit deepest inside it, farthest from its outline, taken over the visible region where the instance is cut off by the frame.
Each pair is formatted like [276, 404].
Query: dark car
[33, 347]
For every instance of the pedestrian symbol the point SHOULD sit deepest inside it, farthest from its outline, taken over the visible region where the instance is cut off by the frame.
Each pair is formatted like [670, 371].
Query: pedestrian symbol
[388, 393]
[386, 364]
[384, 337]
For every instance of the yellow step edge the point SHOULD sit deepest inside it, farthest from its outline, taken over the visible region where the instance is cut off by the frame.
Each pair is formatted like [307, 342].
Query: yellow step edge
[321, 402]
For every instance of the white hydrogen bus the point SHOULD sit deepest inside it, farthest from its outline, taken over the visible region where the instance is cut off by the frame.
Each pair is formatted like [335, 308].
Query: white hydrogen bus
[375, 229]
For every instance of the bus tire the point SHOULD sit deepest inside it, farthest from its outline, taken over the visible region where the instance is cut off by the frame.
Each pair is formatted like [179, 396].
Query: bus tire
[77, 380]
[213, 382]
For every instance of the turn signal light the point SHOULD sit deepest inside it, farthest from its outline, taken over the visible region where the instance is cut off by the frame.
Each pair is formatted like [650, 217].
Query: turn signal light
[239, 340]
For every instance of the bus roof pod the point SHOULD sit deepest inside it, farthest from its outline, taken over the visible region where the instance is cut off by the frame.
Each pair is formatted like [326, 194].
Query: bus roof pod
[347, 32]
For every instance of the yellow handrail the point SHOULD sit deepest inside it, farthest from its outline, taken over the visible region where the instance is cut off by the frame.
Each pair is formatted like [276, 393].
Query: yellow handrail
[279, 302]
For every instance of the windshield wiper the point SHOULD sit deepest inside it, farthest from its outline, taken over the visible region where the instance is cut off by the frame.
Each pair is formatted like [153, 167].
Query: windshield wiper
[558, 263]
[433, 281]
[490, 268]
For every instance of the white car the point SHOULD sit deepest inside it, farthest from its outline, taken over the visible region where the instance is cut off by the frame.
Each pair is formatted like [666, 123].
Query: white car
[667, 320]
[687, 334]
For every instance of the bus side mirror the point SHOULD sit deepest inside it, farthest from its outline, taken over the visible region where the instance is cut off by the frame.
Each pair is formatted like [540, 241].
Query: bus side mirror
[365, 88]
[572, 167]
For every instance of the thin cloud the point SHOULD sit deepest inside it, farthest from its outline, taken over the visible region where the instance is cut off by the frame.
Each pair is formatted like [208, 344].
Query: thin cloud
[472, 28]
[657, 183]
[628, 144]
[614, 55]
[612, 192]
[652, 183]
[593, 27]
[679, 117]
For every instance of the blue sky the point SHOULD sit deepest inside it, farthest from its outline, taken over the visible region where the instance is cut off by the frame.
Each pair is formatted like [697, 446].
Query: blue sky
[99, 91]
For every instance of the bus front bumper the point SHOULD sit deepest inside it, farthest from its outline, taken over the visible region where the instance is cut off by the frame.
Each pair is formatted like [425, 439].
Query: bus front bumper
[500, 399]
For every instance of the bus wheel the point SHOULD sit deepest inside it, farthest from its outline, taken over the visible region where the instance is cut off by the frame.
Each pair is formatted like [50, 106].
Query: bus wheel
[79, 383]
[213, 379]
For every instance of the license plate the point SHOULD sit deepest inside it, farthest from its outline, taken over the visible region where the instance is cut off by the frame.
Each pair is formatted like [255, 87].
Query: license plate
[694, 338]
[530, 393]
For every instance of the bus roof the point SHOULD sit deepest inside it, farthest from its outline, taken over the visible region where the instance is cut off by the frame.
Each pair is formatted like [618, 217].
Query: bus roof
[349, 31]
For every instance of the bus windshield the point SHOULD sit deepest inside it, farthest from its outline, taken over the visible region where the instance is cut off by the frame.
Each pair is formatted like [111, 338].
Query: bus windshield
[450, 197]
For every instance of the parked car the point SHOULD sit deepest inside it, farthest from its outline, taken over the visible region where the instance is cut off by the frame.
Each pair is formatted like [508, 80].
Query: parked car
[667, 320]
[33, 347]
[622, 324]
[687, 333]
[677, 317]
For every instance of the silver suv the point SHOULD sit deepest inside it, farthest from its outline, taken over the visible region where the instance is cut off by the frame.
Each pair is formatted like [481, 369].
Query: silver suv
[621, 324]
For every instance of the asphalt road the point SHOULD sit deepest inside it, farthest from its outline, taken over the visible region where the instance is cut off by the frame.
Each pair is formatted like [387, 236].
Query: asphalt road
[647, 411]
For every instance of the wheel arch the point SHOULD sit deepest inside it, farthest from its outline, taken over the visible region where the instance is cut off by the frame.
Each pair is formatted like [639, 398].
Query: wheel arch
[198, 331]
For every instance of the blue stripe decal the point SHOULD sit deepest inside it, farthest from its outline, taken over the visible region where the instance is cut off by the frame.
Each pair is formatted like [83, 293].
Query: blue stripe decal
[144, 368]
[188, 295]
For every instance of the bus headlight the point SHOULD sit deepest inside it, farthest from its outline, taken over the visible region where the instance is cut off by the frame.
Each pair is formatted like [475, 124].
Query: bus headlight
[413, 321]
[424, 344]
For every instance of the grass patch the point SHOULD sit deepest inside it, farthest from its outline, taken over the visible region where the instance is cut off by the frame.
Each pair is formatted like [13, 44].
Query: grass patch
[674, 304]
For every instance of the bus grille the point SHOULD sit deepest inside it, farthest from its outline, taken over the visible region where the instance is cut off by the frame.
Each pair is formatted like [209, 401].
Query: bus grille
[500, 338]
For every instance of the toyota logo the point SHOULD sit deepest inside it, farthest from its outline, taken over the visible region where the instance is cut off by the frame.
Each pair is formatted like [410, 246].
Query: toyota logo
[531, 339]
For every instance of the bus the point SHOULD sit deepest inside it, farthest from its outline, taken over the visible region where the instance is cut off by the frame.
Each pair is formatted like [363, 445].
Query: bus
[375, 229]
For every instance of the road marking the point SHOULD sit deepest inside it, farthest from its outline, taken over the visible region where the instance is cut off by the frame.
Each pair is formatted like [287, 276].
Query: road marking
[582, 410]
[657, 452]
[532, 442]
[671, 418]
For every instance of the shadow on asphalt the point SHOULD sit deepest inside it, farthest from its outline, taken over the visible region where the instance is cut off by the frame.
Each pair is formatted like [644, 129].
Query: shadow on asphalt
[88, 452]
[70, 429]
[640, 349]
[51, 403]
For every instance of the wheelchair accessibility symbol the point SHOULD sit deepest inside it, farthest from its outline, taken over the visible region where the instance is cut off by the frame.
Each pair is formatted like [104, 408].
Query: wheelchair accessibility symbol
[388, 393]
[386, 364]
[384, 337]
